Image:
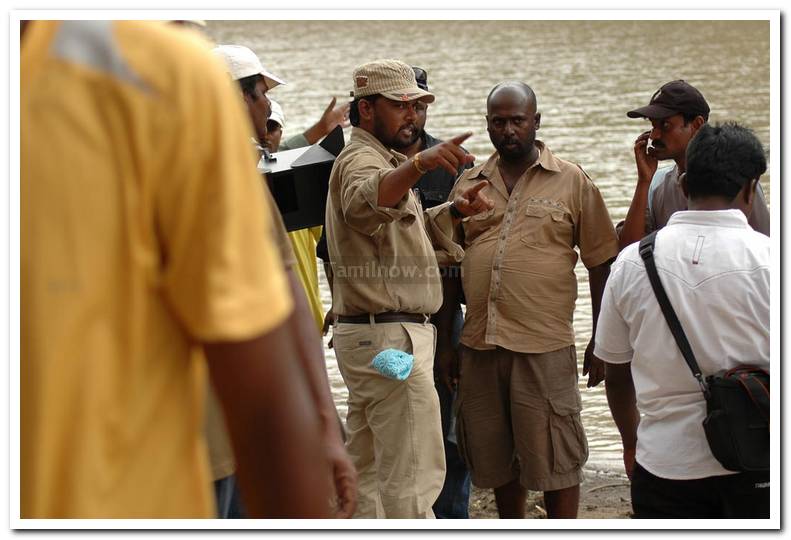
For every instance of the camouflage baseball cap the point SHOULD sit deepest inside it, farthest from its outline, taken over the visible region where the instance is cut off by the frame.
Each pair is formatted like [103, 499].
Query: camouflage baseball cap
[391, 78]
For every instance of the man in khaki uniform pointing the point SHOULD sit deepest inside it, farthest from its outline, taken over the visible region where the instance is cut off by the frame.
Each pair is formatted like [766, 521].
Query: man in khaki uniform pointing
[386, 285]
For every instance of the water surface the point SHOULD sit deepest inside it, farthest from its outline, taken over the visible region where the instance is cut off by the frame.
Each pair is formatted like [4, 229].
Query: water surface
[586, 75]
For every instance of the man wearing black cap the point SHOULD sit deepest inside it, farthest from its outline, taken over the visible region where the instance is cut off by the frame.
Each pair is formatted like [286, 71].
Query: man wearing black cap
[433, 188]
[676, 111]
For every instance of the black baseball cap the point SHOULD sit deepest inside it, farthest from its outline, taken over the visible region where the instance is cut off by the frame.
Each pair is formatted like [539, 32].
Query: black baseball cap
[421, 77]
[675, 97]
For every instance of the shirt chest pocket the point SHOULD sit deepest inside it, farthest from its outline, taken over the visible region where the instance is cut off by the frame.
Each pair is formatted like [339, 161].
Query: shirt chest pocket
[481, 225]
[546, 224]
[483, 217]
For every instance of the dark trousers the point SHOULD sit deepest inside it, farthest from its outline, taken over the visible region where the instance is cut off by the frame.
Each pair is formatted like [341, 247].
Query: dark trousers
[743, 496]
[229, 500]
[454, 499]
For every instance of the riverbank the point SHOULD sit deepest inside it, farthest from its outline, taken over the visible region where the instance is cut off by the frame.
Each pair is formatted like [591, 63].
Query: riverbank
[603, 495]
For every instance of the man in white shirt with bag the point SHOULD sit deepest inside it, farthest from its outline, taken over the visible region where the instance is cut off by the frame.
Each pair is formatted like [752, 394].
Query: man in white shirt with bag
[715, 270]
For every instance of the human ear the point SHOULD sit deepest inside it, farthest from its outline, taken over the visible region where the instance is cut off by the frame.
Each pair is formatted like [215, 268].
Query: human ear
[366, 109]
[538, 120]
[749, 194]
[684, 188]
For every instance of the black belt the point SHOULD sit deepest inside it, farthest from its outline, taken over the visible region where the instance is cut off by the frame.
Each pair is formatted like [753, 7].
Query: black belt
[387, 317]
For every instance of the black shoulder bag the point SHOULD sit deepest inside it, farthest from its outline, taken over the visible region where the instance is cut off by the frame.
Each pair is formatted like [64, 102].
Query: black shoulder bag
[737, 400]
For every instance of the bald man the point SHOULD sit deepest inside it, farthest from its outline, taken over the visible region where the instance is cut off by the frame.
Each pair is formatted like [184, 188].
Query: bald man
[520, 406]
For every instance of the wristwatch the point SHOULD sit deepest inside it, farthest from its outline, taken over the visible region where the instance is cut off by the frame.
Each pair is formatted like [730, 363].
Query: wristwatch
[455, 211]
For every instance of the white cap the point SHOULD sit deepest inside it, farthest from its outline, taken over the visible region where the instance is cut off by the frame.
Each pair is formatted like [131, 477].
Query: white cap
[241, 62]
[277, 113]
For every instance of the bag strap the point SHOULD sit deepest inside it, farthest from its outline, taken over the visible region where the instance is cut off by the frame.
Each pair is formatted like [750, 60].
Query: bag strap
[647, 254]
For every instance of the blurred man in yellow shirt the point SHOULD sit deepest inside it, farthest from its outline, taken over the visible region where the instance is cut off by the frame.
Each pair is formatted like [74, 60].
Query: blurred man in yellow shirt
[144, 235]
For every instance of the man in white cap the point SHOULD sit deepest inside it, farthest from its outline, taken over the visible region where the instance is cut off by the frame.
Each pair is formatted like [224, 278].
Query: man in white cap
[386, 286]
[240, 61]
[246, 68]
[274, 130]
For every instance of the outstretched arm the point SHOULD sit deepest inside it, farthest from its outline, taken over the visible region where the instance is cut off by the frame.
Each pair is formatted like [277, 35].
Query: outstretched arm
[448, 155]
[331, 117]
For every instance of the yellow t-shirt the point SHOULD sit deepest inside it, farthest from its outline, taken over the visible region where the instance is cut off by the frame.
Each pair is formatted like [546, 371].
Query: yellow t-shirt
[143, 233]
[304, 243]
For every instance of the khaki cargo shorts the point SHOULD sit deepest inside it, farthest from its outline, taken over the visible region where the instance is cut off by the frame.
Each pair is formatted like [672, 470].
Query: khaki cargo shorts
[519, 417]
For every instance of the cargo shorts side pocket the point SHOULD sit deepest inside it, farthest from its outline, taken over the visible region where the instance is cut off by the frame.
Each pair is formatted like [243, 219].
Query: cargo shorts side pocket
[569, 443]
[461, 436]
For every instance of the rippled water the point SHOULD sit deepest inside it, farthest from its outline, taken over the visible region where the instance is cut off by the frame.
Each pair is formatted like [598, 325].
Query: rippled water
[586, 75]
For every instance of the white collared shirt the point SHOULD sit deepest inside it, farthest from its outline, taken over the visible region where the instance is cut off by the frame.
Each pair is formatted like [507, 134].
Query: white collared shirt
[715, 269]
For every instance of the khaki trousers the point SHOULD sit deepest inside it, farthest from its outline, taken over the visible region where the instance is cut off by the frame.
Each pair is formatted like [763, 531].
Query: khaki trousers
[394, 428]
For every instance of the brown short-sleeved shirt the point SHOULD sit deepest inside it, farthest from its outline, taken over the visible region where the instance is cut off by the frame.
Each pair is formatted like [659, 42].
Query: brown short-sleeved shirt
[518, 268]
[666, 197]
[382, 258]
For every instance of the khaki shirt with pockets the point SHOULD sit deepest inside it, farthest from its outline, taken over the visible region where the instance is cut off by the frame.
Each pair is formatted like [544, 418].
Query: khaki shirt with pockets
[383, 259]
[518, 269]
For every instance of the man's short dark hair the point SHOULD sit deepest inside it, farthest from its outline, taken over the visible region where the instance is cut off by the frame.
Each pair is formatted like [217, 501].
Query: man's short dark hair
[721, 159]
[354, 111]
[248, 85]
[689, 117]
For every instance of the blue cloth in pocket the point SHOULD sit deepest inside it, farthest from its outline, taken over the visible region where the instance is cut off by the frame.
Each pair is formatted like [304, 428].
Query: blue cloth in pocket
[393, 363]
